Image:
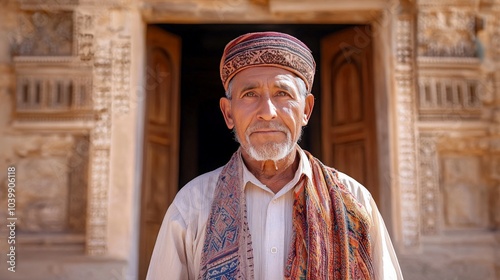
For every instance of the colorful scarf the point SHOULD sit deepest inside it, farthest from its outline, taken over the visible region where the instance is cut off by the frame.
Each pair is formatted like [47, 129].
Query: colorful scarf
[330, 239]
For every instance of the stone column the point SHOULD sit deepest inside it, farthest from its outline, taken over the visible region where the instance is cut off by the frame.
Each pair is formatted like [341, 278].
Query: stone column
[404, 118]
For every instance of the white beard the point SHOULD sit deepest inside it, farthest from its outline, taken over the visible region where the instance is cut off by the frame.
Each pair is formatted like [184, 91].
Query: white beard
[272, 150]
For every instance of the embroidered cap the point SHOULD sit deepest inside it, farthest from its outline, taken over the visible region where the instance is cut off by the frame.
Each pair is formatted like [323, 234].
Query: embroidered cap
[267, 49]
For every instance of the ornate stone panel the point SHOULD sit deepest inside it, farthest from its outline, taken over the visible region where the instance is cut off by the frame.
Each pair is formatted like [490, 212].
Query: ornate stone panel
[450, 89]
[100, 150]
[454, 194]
[43, 200]
[78, 177]
[448, 94]
[429, 184]
[52, 173]
[103, 42]
[457, 93]
[44, 33]
[121, 75]
[492, 30]
[52, 89]
[495, 41]
[74, 59]
[447, 31]
[98, 208]
[85, 35]
[465, 195]
[405, 119]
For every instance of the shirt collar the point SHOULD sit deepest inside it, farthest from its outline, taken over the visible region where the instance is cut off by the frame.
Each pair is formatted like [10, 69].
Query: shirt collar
[304, 168]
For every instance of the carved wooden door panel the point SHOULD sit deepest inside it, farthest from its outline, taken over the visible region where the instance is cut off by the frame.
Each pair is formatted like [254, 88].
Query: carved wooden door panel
[348, 109]
[161, 134]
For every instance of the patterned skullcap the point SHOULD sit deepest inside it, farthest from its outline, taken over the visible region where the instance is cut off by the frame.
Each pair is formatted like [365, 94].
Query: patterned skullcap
[267, 49]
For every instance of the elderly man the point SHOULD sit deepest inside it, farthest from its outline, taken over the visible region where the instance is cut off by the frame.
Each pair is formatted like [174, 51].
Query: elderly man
[273, 211]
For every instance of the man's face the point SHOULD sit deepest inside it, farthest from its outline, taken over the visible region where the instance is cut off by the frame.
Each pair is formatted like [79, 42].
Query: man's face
[266, 111]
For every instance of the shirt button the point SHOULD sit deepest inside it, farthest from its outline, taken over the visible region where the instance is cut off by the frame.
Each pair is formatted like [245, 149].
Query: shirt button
[274, 250]
[274, 201]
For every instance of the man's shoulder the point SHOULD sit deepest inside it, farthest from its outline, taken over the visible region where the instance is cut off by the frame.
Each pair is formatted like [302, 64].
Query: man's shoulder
[355, 188]
[198, 192]
[201, 182]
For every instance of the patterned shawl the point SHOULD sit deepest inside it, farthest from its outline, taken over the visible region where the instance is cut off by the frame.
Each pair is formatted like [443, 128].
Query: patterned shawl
[330, 239]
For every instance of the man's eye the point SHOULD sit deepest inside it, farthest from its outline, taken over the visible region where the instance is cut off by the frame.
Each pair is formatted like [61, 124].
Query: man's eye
[249, 94]
[282, 93]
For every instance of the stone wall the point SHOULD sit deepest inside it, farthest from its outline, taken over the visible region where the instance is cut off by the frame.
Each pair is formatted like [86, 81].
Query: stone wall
[66, 98]
[457, 141]
[71, 101]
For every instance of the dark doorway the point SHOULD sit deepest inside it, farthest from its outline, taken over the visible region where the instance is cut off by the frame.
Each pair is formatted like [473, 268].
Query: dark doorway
[205, 142]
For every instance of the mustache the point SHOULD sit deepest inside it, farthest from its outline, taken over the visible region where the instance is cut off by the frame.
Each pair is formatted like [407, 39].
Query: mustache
[267, 125]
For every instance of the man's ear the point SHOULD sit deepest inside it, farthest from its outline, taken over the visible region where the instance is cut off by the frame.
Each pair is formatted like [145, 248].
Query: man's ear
[225, 107]
[308, 108]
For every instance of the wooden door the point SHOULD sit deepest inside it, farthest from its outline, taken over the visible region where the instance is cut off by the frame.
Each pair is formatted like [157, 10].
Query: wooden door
[161, 134]
[348, 109]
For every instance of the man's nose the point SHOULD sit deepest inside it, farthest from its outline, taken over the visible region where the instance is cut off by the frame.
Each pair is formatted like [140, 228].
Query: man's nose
[267, 109]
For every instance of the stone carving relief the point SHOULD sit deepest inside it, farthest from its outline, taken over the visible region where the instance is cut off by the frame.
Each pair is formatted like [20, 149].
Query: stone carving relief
[54, 88]
[104, 42]
[50, 85]
[69, 67]
[85, 35]
[453, 194]
[121, 74]
[52, 199]
[100, 139]
[448, 93]
[457, 145]
[44, 33]
[42, 200]
[449, 97]
[404, 71]
[456, 83]
[428, 184]
[486, 89]
[78, 184]
[451, 89]
[448, 32]
[98, 208]
[404, 42]
[494, 30]
[465, 195]
[73, 67]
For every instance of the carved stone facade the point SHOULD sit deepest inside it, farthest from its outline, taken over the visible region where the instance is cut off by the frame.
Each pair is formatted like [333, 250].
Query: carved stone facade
[104, 42]
[429, 184]
[58, 82]
[71, 80]
[404, 77]
[457, 94]
[44, 33]
[447, 32]
[66, 69]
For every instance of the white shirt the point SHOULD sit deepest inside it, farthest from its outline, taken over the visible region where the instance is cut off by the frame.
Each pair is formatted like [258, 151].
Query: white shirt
[179, 245]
